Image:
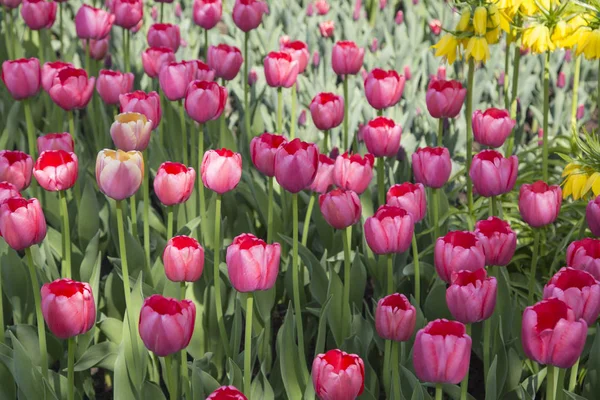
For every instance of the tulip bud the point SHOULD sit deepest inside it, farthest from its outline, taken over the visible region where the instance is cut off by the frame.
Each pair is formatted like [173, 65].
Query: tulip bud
[68, 307]
[143, 103]
[183, 258]
[584, 255]
[580, 112]
[324, 179]
[316, 58]
[56, 170]
[499, 241]
[221, 170]
[435, 26]
[225, 60]
[340, 208]
[207, 13]
[338, 375]
[93, 23]
[390, 230]
[395, 318]
[119, 174]
[22, 77]
[480, 21]
[411, 197]
[399, 20]
[296, 165]
[383, 89]
[382, 137]
[592, 216]
[164, 35]
[252, 263]
[322, 7]
[131, 131]
[539, 204]
[226, 393]
[111, 84]
[299, 52]
[8, 190]
[353, 172]
[280, 69]
[492, 174]
[16, 168]
[457, 251]
[262, 151]
[472, 296]
[22, 222]
[561, 80]
[432, 166]
[327, 111]
[445, 98]
[347, 58]
[174, 183]
[252, 77]
[71, 89]
[492, 127]
[154, 58]
[326, 28]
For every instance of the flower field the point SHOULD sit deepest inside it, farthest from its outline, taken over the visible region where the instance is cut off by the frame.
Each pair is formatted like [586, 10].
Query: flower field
[300, 199]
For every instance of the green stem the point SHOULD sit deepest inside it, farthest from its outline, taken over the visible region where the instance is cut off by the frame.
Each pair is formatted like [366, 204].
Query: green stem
[546, 116]
[185, 385]
[70, 369]
[126, 50]
[560, 384]
[417, 270]
[469, 112]
[146, 194]
[161, 124]
[222, 127]
[380, 113]
[395, 371]
[217, 277]
[506, 67]
[1, 312]
[293, 113]
[464, 385]
[14, 34]
[66, 234]
[390, 273]
[575, 93]
[440, 135]
[172, 378]
[280, 110]
[436, 217]
[246, 87]
[133, 212]
[87, 57]
[35, 286]
[270, 212]
[494, 205]
[184, 138]
[309, 210]
[326, 141]
[169, 222]
[487, 326]
[30, 129]
[346, 105]
[387, 355]
[438, 391]
[296, 278]
[381, 180]
[60, 28]
[513, 97]
[72, 124]
[598, 99]
[202, 207]
[162, 12]
[346, 293]
[573, 376]
[205, 43]
[536, 244]
[550, 387]
[248, 345]
[9, 32]
[41, 47]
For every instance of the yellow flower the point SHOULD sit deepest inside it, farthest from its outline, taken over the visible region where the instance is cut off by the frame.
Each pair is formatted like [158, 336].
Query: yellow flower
[447, 47]
[567, 34]
[494, 23]
[465, 18]
[480, 20]
[530, 7]
[590, 44]
[537, 39]
[579, 181]
[478, 49]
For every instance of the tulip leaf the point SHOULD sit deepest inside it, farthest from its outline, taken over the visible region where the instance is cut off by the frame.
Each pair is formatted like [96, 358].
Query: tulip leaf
[592, 378]
[490, 385]
[104, 354]
[234, 374]
[288, 357]
[7, 382]
[17, 287]
[435, 304]
[112, 328]
[321, 332]
[334, 317]
[358, 281]
[573, 396]
[152, 391]
[88, 221]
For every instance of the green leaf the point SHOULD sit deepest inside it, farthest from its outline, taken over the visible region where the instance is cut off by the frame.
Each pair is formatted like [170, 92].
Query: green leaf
[358, 282]
[234, 373]
[322, 330]
[28, 378]
[490, 385]
[104, 354]
[112, 328]
[152, 391]
[573, 396]
[88, 221]
[334, 316]
[7, 383]
[288, 357]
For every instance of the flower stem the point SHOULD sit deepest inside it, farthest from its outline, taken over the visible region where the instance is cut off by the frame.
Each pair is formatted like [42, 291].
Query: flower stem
[184, 138]
[395, 372]
[280, 110]
[438, 391]
[9, 32]
[171, 377]
[546, 116]
[162, 12]
[126, 50]
[35, 286]
[217, 278]
[133, 212]
[440, 135]
[293, 113]
[222, 127]
[464, 385]
[513, 98]
[146, 190]
[185, 385]
[41, 47]
[573, 377]
[296, 278]
[87, 57]
[248, 345]
[381, 180]
[390, 273]
[72, 124]
[309, 210]
[60, 28]
[30, 129]
[494, 206]
[270, 212]
[326, 141]
[469, 112]
[70, 370]
[202, 206]
[387, 355]
[487, 326]
[246, 88]
[346, 293]
[506, 67]
[536, 244]
[1, 313]
[417, 270]
[550, 386]
[575, 93]
[205, 43]
[169, 222]
[346, 105]
[436, 212]
[66, 234]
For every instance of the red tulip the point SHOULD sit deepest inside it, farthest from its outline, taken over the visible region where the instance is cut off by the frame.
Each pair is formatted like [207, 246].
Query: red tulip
[207, 13]
[262, 151]
[296, 165]
[16, 167]
[324, 178]
[499, 241]
[128, 13]
[390, 230]
[337, 375]
[492, 174]
[111, 84]
[225, 60]
[8, 190]
[183, 258]
[38, 14]
[327, 110]
[247, 14]
[472, 296]
[205, 101]
[56, 170]
[22, 77]
[539, 203]
[347, 58]
[299, 52]
[164, 35]
[252, 263]
[154, 58]
[221, 170]
[411, 197]
[175, 77]
[353, 172]
[584, 255]
[457, 251]
[280, 69]
[143, 103]
[226, 393]
[592, 216]
[71, 88]
[93, 23]
[68, 307]
[382, 137]
[579, 290]
[445, 98]
[174, 183]
[492, 127]
[49, 71]
[340, 208]
[395, 318]
[22, 222]
[383, 88]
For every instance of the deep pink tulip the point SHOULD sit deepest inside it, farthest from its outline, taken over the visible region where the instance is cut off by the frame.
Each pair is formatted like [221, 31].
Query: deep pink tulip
[390, 230]
[131, 131]
[183, 258]
[492, 174]
[166, 325]
[442, 352]
[492, 127]
[472, 296]
[327, 110]
[337, 375]
[205, 101]
[221, 170]
[252, 77]
[252, 263]
[584, 255]
[561, 80]
[580, 111]
[248, 14]
[143, 103]
[38, 14]
[324, 179]
[457, 251]
[445, 98]
[164, 35]
[322, 7]
[128, 13]
[435, 26]
[382, 137]
[579, 290]
[55, 141]
[316, 58]
[8, 190]
[98, 48]
[207, 13]
[119, 174]
[111, 84]
[204, 72]
[432, 166]
[499, 241]
[395, 318]
[280, 69]
[226, 393]
[16, 167]
[296, 164]
[93, 23]
[71, 88]
[175, 78]
[310, 9]
[347, 58]
[262, 151]
[10, 4]
[49, 71]
[340, 208]
[22, 77]
[174, 183]
[407, 72]
[154, 58]
[592, 216]
[68, 307]
[22, 222]
[225, 60]
[383, 88]
[353, 172]
[551, 335]
[539, 203]
[399, 17]
[411, 197]
[326, 28]
[56, 170]
[299, 52]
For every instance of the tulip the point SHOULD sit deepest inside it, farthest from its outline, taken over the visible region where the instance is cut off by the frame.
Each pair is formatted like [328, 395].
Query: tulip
[143, 103]
[128, 13]
[252, 263]
[399, 20]
[324, 178]
[326, 28]
[56, 141]
[38, 14]
[316, 58]
[584, 255]
[111, 84]
[56, 170]
[374, 45]
[68, 307]
[299, 52]
[207, 13]
[10, 4]
[98, 48]
[337, 375]
[347, 58]
[175, 77]
[445, 98]
[322, 7]
[154, 58]
[492, 174]
[395, 318]
[204, 72]
[310, 9]
[296, 164]
[551, 334]
[561, 80]
[22, 77]
[8, 190]
[252, 77]
[432, 166]
[119, 174]
[580, 111]
[435, 26]
[221, 170]
[539, 203]
[340, 208]
[247, 14]
[205, 101]
[458, 250]
[382, 137]
[166, 325]
[262, 151]
[592, 216]
[71, 88]
[499, 241]
[472, 296]
[49, 71]
[302, 118]
[411, 197]
[226, 393]
[174, 183]
[164, 35]
[492, 127]
[383, 88]
[225, 60]
[390, 230]
[327, 111]
[353, 172]
[16, 168]
[183, 258]
[442, 352]
[22, 222]
[131, 131]
[93, 23]
[280, 69]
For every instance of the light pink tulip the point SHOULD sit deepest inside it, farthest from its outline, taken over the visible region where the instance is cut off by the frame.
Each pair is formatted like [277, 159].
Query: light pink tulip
[472, 296]
[337, 375]
[183, 258]
[174, 183]
[49, 71]
[68, 307]
[395, 318]
[38, 14]
[22, 222]
[579, 290]
[353, 172]
[435, 26]
[262, 151]
[119, 174]
[299, 52]
[390, 230]
[56, 170]
[225, 60]
[445, 98]
[131, 131]
[322, 7]
[22, 77]
[248, 14]
[382, 137]
[499, 241]
[98, 48]
[411, 197]
[340, 208]
[143, 103]
[457, 251]
[56, 141]
[280, 69]
[164, 35]
[154, 58]
[347, 58]
[432, 166]
[205, 101]
[296, 164]
[16, 167]
[327, 110]
[93, 23]
[71, 88]
[492, 174]
[175, 78]
[252, 263]
[383, 88]
[584, 255]
[111, 84]
[221, 170]
[324, 178]
[492, 127]
[539, 204]
[207, 13]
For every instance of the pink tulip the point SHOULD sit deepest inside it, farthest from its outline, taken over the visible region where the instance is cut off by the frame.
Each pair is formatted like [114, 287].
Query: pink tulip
[324, 179]
[131, 131]
[8, 190]
[226, 393]
[225, 60]
[327, 110]
[445, 98]
[154, 13]
[383, 88]
[119, 174]
[539, 203]
[395, 318]
[56, 170]
[205, 101]
[98, 48]
[347, 58]
[143, 103]
[252, 77]
[499, 241]
[584, 255]
[457, 251]
[128, 13]
[247, 14]
[353, 172]
[492, 127]
[357, 9]
[501, 78]
[435, 26]
[137, 27]
[407, 72]
[183, 258]
[561, 80]
[316, 58]
[302, 118]
[71, 88]
[93, 23]
[592, 216]
[322, 7]
[38, 14]
[10, 4]
[432, 166]
[175, 77]
[299, 52]
[16, 167]
[68, 307]
[399, 17]
[204, 72]
[154, 58]
[280, 69]
[22, 77]
[390, 230]
[551, 335]
[337, 375]
[374, 45]
[22, 222]
[441, 76]
[296, 164]
[326, 28]
[579, 290]
[49, 71]
[382, 137]
[164, 35]
[207, 13]
[252, 263]
[340, 208]
[492, 174]
[262, 151]
[174, 183]
[111, 84]
[472, 296]
[580, 111]
[221, 170]
[166, 325]
[55, 141]
[442, 352]
[411, 197]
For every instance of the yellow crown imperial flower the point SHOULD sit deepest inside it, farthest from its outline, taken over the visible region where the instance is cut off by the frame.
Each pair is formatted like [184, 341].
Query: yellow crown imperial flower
[589, 44]
[480, 20]
[447, 47]
[537, 39]
[478, 49]
[493, 25]
[465, 18]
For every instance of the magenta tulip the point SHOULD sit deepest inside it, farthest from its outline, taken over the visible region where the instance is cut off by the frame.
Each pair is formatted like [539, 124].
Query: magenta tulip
[225, 60]
[56, 141]
[299, 52]
[227, 393]
[539, 203]
[472, 296]
[38, 14]
[56, 170]
[174, 183]
[221, 170]
[204, 72]
[16, 168]
[68, 307]
[263, 149]
[247, 14]
[8, 190]
[499, 241]
[492, 127]
[183, 259]
[592, 216]
[252, 263]
[411, 197]
[445, 98]
[432, 166]
[22, 77]
[164, 35]
[128, 13]
[111, 84]
[390, 230]
[93, 23]
[71, 88]
[205, 101]
[327, 110]
[340, 208]
[383, 88]
[337, 375]
[154, 58]
[584, 255]
[382, 137]
[22, 222]
[457, 251]
[207, 13]
[353, 172]
[49, 71]
[395, 318]
[324, 178]
[326, 28]
[280, 69]
[296, 164]
[492, 174]
[347, 58]
[175, 77]
[143, 103]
